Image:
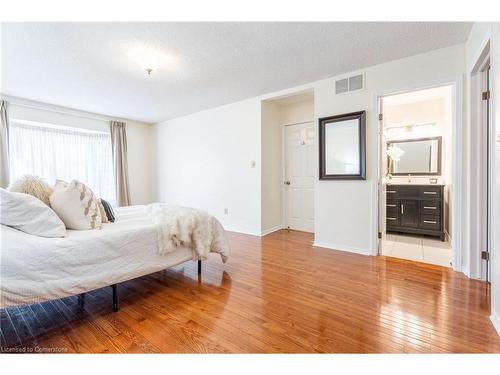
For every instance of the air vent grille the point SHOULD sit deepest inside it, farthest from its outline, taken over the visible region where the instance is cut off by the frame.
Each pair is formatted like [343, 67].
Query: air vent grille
[348, 84]
[341, 86]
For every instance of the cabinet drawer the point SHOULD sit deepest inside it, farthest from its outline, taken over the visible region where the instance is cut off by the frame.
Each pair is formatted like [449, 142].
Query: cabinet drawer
[392, 220]
[399, 191]
[430, 222]
[407, 192]
[391, 192]
[392, 211]
[392, 207]
[430, 192]
[430, 207]
[392, 202]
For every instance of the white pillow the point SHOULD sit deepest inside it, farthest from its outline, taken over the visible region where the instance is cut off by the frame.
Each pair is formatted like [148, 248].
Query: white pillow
[29, 214]
[76, 205]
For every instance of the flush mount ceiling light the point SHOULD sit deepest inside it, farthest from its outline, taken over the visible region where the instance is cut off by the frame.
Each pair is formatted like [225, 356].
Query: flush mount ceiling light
[149, 58]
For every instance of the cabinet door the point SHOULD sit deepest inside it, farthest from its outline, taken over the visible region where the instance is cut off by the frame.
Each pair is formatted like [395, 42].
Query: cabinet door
[409, 213]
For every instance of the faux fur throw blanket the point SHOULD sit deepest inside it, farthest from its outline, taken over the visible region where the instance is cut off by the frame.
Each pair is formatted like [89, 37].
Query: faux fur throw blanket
[189, 227]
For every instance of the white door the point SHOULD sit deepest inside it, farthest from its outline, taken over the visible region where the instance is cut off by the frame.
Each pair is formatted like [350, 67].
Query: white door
[299, 176]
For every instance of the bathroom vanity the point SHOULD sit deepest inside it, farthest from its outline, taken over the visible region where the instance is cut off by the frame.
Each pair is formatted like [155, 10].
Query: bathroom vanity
[417, 209]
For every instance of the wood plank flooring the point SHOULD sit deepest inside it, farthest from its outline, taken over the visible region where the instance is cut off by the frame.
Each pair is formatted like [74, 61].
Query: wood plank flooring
[277, 294]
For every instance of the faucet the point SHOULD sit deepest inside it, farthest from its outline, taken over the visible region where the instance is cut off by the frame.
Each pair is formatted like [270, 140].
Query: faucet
[409, 178]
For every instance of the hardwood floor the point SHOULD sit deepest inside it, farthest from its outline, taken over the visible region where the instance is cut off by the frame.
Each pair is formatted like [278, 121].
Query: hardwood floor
[277, 294]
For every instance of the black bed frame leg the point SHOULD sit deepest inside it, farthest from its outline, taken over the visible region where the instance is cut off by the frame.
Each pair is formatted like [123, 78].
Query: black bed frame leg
[81, 301]
[199, 267]
[115, 297]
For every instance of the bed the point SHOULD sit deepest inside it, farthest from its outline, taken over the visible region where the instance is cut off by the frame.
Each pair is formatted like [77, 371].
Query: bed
[35, 269]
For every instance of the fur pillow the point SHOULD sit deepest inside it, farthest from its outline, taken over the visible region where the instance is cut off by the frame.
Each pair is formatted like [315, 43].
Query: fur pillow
[76, 205]
[33, 185]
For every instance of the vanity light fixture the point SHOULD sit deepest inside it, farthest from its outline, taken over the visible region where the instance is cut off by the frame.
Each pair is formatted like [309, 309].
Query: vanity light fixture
[402, 131]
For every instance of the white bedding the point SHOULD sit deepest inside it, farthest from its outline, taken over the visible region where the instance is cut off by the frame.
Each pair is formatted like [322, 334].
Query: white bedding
[35, 269]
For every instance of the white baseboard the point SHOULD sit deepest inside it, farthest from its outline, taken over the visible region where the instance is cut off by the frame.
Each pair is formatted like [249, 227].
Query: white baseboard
[495, 319]
[341, 247]
[242, 231]
[271, 230]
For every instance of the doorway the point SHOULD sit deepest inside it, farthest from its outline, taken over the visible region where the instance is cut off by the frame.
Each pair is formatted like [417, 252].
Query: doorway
[288, 162]
[299, 175]
[415, 175]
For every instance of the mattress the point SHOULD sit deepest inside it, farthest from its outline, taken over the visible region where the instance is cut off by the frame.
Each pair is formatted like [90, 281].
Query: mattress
[36, 269]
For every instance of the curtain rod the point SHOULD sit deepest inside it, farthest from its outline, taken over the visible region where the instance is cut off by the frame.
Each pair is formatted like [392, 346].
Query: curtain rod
[42, 108]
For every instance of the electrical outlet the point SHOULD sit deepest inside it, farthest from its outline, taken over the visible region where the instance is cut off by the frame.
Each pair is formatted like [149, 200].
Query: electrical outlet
[226, 211]
[252, 164]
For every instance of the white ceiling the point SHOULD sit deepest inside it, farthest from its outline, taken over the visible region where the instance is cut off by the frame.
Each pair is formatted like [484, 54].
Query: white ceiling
[86, 65]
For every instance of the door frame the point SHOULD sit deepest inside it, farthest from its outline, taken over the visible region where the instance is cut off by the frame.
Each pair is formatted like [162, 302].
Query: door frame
[476, 113]
[283, 172]
[457, 162]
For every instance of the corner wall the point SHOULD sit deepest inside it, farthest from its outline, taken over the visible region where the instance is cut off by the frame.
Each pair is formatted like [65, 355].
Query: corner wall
[346, 210]
[204, 160]
[272, 168]
[204, 157]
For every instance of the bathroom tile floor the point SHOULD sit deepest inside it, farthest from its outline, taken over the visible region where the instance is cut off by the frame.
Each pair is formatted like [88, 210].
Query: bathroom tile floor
[419, 248]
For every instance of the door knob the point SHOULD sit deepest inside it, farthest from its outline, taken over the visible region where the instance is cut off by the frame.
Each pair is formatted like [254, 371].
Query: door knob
[287, 182]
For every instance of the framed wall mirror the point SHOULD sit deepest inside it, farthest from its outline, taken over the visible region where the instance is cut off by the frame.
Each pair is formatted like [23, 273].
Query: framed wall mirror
[342, 147]
[420, 156]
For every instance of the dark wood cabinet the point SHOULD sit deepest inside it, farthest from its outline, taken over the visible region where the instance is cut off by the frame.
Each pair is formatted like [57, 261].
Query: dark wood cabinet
[417, 209]
[409, 213]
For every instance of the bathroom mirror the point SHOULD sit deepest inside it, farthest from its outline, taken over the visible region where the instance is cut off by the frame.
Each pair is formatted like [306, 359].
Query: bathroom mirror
[420, 156]
[342, 147]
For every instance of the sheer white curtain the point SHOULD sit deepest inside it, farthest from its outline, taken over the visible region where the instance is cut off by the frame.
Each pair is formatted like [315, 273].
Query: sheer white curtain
[62, 153]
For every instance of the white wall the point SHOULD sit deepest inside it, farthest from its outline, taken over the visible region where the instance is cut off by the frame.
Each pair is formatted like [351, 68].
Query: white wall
[141, 162]
[272, 167]
[479, 36]
[222, 141]
[139, 139]
[205, 161]
[345, 210]
[295, 113]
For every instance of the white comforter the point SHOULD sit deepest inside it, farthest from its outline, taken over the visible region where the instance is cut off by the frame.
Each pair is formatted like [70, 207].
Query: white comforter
[36, 269]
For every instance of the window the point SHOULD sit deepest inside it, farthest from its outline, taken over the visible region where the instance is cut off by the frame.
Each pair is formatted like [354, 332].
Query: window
[65, 153]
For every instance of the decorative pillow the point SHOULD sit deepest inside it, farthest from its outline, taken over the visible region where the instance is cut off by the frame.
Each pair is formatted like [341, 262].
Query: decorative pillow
[29, 214]
[109, 210]
[104, 217]
[76, 205]
[33, 185]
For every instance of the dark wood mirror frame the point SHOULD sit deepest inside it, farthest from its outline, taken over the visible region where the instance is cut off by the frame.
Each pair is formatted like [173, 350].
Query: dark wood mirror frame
[438, 173]
[361, 117]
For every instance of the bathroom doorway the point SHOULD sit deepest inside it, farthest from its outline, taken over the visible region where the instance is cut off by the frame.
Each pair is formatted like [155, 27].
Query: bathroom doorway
[415, 175]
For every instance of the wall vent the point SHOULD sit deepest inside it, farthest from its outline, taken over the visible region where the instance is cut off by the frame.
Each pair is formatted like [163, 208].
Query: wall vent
[353, 83]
